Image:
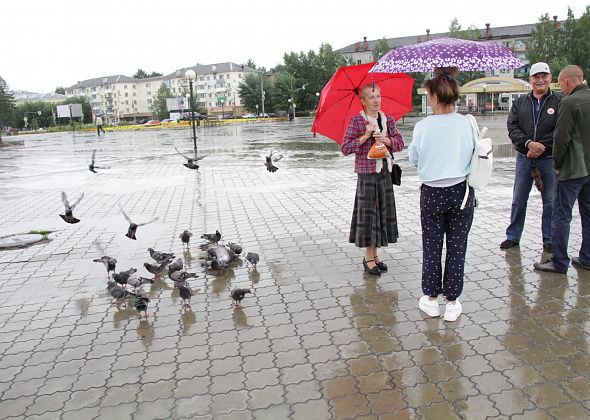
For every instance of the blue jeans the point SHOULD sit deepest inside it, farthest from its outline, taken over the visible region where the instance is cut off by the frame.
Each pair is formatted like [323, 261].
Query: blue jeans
[566, 195]
[520, 196]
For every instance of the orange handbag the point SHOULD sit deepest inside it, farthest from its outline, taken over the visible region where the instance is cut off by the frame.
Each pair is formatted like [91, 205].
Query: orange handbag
[378, 151]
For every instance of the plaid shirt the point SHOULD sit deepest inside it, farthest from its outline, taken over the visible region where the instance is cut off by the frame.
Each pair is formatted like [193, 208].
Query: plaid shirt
[350, 143]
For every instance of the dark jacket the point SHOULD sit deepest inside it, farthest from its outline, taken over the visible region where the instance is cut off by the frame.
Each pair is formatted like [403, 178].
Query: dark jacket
[571, 147]
[523, 127]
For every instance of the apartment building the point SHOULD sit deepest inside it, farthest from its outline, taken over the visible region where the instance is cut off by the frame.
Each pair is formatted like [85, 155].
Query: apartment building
[121, 97]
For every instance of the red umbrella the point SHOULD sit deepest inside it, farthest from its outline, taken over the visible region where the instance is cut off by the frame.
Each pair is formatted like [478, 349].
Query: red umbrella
[339, 100]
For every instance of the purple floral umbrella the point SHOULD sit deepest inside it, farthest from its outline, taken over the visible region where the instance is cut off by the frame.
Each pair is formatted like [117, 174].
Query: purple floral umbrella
[447, 52]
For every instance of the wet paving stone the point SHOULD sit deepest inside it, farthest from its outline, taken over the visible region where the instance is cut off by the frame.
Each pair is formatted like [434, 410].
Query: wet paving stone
[317, 339]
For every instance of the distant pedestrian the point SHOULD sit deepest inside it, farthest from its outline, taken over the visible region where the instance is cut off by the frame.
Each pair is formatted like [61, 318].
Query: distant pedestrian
[98, 123]
[571, 159]
[374, 218]
[531, 123]
[441, 148]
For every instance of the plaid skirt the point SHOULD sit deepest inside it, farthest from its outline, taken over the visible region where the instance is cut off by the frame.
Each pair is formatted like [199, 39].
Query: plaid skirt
[374, 219]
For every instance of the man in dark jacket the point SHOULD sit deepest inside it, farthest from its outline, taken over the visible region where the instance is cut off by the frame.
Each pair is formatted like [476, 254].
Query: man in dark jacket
[571, 159]
[530, 127]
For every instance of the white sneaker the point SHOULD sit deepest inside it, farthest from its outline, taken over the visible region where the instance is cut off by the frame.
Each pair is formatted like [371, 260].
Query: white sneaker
[430, 307]
[453, 310]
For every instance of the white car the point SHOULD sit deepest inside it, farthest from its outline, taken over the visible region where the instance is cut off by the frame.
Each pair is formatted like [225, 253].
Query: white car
[248, 116]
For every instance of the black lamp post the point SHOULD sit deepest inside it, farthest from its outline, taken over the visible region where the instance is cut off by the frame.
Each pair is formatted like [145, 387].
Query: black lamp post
[191, 75]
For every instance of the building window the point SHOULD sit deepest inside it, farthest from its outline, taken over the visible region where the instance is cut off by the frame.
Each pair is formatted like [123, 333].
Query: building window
[133, 86]
[149, 101]
[239, 75]
[134, 94]
[126, 102]
[207, 78]
[134, 102]
[227, 76]
[149, 93]
[126, 94]
[147, 85]
[359, 62]
[124, 86]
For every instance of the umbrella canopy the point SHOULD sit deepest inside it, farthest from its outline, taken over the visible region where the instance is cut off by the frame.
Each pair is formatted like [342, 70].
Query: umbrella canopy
[447, 52]
[339, 100]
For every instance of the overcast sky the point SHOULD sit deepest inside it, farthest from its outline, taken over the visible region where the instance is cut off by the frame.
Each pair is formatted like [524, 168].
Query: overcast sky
[49, 43]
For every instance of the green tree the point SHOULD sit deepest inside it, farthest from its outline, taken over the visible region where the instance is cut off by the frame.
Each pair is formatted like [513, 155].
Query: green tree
[547, 43]
[380, 49]
[250, 95]
[141, 74]
[283, 89]
[60, 90]
[251, 64]
[159, 105]
[6, 106]
[577, 41]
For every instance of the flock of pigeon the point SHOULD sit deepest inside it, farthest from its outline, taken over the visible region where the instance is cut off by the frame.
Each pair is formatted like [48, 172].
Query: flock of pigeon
[216, 256]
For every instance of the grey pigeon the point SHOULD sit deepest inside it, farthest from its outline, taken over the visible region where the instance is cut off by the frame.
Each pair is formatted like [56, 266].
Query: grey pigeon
[185, 237]
[270, 167]
[123, 276]
[190, 161]
[252, 258]
[160, 257]
[133, 226]
[185, 293]
[135, 281]
[118, 293]
[212, 237]
[109, 263]
[237, 249]
[69, 210]
[92, 166]
[156, 269]
[237, 295]
[141, 305]
[175, 266]
[181, 276]
[218, 256]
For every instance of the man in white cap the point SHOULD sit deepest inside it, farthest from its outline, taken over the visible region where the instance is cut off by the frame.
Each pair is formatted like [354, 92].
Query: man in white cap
[531, 123]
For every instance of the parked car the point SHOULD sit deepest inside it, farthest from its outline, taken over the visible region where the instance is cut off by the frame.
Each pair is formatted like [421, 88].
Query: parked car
[186, 116]
[153, 122]
[263, 115]
[249, 116]
[141, 121]
[168, 121]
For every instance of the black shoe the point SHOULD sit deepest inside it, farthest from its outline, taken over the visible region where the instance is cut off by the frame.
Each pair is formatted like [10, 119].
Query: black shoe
[508, 244]
[548, 248]
[374, 270]
[382, 266]
[548, 267]
[577, 263]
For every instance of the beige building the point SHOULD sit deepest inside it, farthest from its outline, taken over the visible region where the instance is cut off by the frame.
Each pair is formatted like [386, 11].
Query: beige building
[122, 97]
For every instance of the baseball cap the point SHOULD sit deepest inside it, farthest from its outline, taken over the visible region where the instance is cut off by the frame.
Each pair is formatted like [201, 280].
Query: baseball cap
[539, 68]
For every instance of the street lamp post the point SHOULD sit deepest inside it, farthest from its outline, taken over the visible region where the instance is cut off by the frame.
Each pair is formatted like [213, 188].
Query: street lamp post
[257, 114]
[191, 75]
[222, 111]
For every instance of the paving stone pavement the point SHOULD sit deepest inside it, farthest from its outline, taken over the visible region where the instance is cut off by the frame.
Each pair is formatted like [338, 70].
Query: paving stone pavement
[317, 339]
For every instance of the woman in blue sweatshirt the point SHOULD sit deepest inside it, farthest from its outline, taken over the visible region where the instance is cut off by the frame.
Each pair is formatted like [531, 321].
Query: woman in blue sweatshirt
[441, 149]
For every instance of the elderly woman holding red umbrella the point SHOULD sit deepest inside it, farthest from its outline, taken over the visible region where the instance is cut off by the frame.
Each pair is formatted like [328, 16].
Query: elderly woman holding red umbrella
[374, 219]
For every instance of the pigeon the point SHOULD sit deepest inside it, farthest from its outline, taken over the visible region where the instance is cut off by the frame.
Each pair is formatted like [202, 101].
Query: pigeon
[212, 237]
[92, 166]
[156, 269]
[118, 293]
[123, 276]
[237, 295]
[190, 162]
[108, 262]
[141, 304]
[160, 257]
[185, 293]
[252, 258]
[133, 226]
[69, 216]
[175, 266]
[237, 249]
[218, 256]
[136, 281]
[185, 237]
[270, 167]
[180, 277]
